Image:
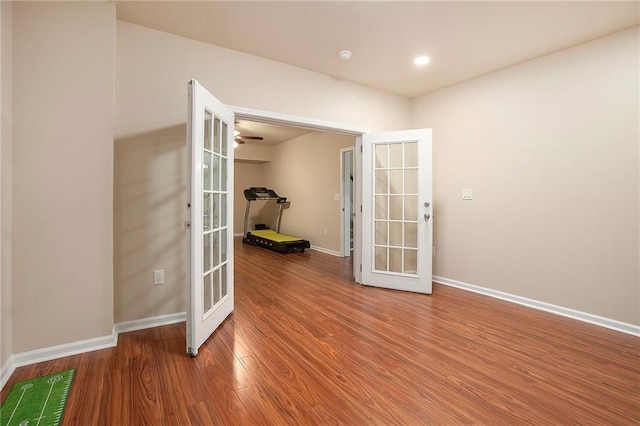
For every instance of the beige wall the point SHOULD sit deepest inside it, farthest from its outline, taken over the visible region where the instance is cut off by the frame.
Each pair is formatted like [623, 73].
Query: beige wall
[550, 149]
[151, 95]
[250, 153]
[6, 142]
[306, 170]
[63, 85]
[246, 175]
[149, 210]
[152, 87]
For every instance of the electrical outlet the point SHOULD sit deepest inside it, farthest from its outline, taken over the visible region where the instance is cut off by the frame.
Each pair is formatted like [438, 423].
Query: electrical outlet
[158, 277]
[326, 232]
[467, 194]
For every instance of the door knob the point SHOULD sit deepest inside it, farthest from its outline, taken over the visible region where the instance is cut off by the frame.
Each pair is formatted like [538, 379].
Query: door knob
[427, 216]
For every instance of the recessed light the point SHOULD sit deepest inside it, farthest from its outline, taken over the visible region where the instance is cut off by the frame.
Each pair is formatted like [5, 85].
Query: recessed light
[344, 55]
[421, 60]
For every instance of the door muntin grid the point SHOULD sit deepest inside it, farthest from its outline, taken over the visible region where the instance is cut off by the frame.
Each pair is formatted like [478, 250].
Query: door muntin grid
[395, 205]
[214, 213]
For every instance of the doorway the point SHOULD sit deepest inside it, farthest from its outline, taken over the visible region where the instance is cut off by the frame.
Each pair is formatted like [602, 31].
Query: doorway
[260, 116]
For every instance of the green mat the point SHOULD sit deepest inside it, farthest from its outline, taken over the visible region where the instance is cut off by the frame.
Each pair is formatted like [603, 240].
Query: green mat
[40, 401]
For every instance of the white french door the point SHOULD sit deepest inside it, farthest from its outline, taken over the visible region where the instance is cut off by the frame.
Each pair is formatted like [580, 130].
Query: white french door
[210, 200]
[397, 198]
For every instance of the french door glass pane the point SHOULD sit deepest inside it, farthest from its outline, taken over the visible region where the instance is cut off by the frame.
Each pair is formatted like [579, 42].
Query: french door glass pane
[411, 154]
[381, 233]
[381, 156]
[395, 155]
[395, 189]
[381, 182]
[216, 248]
[223, 279]
[215, 172]
[410, 234]
[207, 290]
[206, 171]
[206, 252]
[411, 181]
[395, 181]
[381, 207]
[410, 261]
[223, 174]
[411, 207]
[224, 138]
[395, 260]
[381, 258]
[223, 210]
[216, 210]
[216, 136]
[207, 130]
[223, 245]
[216, 286]
[395, 234]
[206, 211]
[395, 207]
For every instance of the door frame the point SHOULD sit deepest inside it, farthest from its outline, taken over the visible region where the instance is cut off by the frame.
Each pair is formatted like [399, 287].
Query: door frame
[345, 220]
[242, 113]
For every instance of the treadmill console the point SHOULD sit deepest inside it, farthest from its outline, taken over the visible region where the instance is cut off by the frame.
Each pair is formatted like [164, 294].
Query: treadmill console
[261, 193]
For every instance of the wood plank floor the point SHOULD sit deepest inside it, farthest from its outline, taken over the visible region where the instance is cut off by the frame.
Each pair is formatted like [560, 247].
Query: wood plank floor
[307, 346]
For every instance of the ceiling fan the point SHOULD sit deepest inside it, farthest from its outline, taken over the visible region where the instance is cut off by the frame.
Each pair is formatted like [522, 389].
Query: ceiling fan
[238, 138]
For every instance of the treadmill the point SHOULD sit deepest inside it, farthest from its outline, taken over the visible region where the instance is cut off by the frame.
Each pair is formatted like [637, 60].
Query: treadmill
[268, 238]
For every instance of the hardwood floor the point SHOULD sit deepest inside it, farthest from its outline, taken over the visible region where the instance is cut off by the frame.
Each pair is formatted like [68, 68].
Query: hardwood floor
[306, 346]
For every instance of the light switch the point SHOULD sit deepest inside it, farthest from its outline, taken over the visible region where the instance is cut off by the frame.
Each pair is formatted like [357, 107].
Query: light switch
[467, 194]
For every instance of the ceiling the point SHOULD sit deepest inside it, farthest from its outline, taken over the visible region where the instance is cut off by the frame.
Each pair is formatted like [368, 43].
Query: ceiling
[463, 39]
[273, 134]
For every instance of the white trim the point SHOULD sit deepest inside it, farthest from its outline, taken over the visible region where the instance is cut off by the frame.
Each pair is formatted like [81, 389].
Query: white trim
[82, 346]
[296, 121]
[612, 324]
[326, 251]
[239, 234]
[157, 321]
[58, 351]
[242, 113]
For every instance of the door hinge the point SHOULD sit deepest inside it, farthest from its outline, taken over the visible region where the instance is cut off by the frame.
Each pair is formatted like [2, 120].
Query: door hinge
[188, 205]
[187, 224]
[361, 267]
[360, 148]
[360, 208]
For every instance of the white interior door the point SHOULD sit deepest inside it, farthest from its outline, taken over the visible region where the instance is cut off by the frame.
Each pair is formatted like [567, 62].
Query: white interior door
[346, 201]
[210, 197]
[397, 210]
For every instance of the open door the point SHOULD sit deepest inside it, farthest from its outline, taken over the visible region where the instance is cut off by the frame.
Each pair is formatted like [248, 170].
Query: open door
[397, 206]
[210, 202]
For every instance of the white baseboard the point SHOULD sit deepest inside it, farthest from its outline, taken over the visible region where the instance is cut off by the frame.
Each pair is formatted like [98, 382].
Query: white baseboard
[140, 324]
[240, 234]
[327, 251]
[74, 348]
[58, 351]
[6, 371]
[543, 306]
